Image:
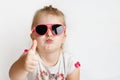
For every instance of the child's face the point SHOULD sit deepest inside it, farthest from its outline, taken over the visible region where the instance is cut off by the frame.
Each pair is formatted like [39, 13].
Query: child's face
[49, 42]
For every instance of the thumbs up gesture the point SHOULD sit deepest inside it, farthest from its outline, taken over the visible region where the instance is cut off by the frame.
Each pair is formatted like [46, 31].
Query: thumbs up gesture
[29, 59]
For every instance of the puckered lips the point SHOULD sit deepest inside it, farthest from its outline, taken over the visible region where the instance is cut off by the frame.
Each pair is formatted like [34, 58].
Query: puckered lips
[49, 40]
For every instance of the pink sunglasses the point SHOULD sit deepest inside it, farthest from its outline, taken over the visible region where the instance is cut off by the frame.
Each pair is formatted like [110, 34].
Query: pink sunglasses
[56, 29]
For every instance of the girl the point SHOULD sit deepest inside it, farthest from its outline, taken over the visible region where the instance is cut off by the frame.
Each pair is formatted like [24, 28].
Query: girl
[45, 60]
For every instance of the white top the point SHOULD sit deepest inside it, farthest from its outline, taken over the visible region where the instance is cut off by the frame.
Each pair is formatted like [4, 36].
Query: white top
[65, 65]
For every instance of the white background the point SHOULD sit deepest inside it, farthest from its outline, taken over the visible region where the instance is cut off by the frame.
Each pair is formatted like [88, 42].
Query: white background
[93, 34]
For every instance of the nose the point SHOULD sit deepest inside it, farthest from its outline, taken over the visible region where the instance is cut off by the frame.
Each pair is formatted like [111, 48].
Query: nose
[49, 33]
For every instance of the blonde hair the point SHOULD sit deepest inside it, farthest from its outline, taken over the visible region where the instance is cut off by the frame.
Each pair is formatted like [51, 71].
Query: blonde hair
[48, 10]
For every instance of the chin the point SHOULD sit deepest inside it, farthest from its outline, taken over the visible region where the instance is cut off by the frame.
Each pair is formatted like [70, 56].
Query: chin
[49, 48]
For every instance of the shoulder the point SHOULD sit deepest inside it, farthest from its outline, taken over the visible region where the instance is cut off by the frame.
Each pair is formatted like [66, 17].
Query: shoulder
[70, 57]
[71, 62]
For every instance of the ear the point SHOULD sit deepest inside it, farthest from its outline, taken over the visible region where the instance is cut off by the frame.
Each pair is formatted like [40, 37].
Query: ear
[32, 36]
[64, 37]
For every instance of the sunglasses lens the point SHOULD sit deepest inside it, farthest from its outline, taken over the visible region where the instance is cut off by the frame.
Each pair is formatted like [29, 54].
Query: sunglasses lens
[57, 29]
[41, 29]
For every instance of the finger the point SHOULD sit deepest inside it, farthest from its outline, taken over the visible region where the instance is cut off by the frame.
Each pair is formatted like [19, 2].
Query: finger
[34, 45]
[31, 68]
[25, 51]
[34, 57]
[34, 63]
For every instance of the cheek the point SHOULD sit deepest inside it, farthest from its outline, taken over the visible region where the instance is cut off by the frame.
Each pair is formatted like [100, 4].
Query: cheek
[60, 40]
[40, 40]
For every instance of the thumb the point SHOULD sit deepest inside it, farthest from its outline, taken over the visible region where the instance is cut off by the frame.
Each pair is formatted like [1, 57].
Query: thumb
[34, 45]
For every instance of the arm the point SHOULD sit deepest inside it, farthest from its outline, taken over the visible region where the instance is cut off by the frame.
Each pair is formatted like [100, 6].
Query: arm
[17, 72]
[25, 64]
[75, 75]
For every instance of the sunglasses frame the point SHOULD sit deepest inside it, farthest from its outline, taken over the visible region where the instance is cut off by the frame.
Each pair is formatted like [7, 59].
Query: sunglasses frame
[49, 26]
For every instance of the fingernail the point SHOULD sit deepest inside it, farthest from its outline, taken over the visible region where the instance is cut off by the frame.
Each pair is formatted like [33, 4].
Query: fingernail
[77, 64]
[26, 50]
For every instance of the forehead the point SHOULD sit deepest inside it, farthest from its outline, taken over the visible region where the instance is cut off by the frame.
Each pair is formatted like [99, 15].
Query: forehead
[49, 19]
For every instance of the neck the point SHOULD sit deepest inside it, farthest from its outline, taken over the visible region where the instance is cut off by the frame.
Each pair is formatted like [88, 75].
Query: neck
[50, 58]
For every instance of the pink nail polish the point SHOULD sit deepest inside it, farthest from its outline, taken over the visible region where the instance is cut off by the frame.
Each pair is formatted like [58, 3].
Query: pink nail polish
[26, 50]
[77, 64]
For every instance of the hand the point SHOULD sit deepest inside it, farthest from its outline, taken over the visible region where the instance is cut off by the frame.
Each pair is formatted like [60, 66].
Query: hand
[29, 59]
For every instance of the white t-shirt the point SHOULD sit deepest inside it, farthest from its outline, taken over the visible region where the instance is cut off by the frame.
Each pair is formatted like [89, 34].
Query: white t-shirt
[65, 65]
